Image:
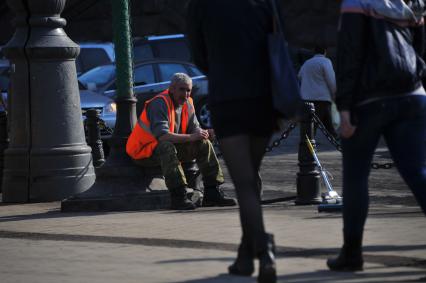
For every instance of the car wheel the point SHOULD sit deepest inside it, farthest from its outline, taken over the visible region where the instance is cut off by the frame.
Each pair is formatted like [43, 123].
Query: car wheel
[203, 114]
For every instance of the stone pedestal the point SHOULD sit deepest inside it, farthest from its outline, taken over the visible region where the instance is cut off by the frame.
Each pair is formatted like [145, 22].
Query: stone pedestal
[48, 158]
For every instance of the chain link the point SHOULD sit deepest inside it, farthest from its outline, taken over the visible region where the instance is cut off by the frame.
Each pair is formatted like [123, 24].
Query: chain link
[103, 126]
[326, 133]
[284, 135]
[336, 143]
[376, 165]
[274, 144]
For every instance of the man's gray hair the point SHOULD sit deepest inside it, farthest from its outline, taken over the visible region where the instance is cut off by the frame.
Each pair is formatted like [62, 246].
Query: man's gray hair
[180, 78]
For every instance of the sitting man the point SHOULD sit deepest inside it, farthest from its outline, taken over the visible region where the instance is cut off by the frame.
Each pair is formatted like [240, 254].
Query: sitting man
[167, 133]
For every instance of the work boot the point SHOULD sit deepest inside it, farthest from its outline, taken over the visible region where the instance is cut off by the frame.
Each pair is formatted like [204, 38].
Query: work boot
[195, 196]
[349, 259]
[214, 196]
[179, 199]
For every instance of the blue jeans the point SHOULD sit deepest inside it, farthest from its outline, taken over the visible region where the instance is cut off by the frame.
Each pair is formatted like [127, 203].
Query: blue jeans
[402, 123]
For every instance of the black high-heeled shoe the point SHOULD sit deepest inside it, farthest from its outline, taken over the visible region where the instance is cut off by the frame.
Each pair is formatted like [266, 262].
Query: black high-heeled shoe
[243, 264]
[349, 259]
[266, 255]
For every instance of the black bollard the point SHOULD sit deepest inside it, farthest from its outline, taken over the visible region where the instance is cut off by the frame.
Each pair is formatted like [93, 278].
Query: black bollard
[94, 137]
[4, 142]
[48, 158]
[308, 177]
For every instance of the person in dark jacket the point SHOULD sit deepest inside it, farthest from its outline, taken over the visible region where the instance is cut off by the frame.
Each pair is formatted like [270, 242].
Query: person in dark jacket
[229, 43]
[379, 93]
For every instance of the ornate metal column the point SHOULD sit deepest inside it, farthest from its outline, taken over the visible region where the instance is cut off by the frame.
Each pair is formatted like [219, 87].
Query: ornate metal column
[308, 177]
[48, 158]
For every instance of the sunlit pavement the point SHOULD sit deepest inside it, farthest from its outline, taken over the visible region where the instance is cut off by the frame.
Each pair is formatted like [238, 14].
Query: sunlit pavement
[38, 243]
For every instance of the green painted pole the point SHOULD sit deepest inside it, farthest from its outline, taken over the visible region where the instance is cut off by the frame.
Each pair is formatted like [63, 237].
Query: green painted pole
[126, 102]
[123, 47]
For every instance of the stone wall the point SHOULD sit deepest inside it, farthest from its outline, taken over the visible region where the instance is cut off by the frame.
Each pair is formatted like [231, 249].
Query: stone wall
[308, 22]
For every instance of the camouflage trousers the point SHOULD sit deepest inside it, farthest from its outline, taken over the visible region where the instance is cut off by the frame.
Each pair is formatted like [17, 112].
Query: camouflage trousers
[169, 156]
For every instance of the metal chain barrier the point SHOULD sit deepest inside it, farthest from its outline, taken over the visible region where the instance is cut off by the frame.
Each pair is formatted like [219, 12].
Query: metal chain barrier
[376, 165]
[275, 143]
[326, 133]
[284, 135]
[104, 127]
[336, 143]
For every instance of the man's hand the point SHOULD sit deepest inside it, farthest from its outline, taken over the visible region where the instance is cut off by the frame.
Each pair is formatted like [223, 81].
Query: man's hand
[346, 127]
[212, 135]
[199, 135]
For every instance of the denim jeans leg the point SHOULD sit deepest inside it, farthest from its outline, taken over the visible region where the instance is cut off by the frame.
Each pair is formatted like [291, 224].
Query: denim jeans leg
[406, 139]
[358, 152]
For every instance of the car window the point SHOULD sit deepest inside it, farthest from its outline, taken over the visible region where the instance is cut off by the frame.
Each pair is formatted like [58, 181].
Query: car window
[144, 75]
[142, 52]
[93, 57]
[168, 70]
[195, 72]
[172, 49]
[101, 76]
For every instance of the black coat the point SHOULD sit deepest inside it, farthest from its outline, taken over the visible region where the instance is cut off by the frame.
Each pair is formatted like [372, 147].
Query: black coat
[376, 58]
[229, 43]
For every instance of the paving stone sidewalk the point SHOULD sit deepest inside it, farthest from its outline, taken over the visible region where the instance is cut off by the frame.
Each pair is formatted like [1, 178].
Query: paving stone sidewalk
[38, 243]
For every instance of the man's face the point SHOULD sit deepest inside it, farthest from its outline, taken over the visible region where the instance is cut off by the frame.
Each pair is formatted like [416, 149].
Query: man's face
[180, 92]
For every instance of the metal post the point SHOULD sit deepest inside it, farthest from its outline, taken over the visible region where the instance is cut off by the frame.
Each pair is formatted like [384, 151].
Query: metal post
[126, 101]
[94, 137]
[308, 177]
[48, 158]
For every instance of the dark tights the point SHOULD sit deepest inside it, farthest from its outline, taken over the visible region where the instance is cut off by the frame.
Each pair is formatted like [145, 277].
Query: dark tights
[243, 156]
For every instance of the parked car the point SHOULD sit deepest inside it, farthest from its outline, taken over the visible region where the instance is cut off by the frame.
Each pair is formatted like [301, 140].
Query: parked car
[150, 78]
[173, 46]
[93, 54]
[106, 107]
[88, 100]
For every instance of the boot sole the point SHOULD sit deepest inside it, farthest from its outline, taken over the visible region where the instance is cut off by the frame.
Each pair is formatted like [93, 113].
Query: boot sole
[246, 273]
[346, 268]
[240, 272]
[267, 275]
[210, 204]
[183, 208]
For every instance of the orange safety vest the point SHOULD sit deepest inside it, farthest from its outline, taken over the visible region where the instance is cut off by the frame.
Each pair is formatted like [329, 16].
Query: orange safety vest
[141, 142]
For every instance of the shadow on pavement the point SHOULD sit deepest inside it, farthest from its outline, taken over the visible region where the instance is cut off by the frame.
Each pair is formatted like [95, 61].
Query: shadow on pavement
[54, 213]
[319, 276]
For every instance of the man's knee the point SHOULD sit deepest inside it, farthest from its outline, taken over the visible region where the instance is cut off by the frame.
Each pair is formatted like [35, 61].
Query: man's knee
[166, 147]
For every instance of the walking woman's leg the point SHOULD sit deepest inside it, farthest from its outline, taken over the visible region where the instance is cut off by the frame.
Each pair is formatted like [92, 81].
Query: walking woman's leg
[358, 152]
[257, 148]
[236, 151]
[243, 155]
[406, 140]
